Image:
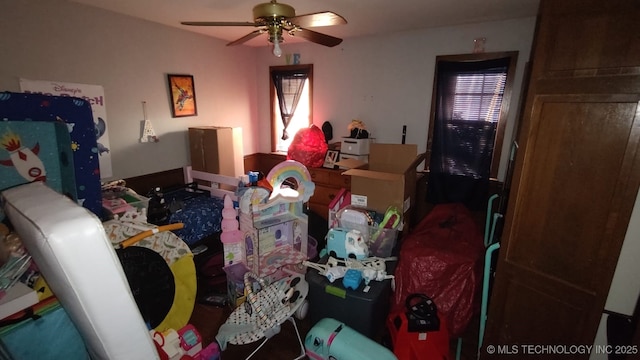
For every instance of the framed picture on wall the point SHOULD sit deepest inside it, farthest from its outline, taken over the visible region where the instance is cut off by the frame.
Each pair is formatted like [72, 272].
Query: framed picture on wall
[183, 95]
[331, 159]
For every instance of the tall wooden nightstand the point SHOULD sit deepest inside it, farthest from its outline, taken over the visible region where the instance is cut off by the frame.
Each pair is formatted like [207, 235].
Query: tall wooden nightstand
[328, 184]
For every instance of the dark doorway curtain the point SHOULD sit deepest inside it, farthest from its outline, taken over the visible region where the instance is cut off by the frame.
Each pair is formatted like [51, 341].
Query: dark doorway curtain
[289, 85]
[463, 141]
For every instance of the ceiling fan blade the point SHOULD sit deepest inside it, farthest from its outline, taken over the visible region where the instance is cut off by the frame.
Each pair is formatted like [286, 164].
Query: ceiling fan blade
[316, 37]
[325, 18]
[219, 23]
[246, 38]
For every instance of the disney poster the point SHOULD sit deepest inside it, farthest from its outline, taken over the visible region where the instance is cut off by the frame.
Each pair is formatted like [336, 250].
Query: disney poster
[94, 94]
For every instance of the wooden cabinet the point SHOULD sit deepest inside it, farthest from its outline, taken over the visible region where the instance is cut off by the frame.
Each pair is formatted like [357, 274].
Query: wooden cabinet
[216, 150]
[328, 184]
[263, 162]
[576, 175]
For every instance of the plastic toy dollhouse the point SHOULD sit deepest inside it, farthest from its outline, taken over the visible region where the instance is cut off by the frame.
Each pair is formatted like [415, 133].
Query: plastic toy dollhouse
[273, 224]
[231, 236]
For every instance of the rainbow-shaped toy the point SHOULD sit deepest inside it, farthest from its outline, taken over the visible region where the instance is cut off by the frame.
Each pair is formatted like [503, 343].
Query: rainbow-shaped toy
[291, 169]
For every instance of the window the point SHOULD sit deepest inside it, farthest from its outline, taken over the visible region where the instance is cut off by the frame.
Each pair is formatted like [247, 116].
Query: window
[478, 96]
[291, 94]
[466, 129]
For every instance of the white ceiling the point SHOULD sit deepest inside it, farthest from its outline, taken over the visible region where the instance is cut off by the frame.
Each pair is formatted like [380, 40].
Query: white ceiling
[364, 17]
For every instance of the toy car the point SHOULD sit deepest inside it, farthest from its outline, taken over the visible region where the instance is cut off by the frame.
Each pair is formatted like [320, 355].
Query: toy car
[343, 244]
[331, 339]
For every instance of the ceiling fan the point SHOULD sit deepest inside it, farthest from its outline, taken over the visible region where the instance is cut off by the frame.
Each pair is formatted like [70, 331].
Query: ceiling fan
[275, 18]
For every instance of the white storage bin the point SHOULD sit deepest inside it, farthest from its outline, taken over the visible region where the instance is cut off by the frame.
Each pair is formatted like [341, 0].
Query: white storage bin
[355, 146]
[364, 158]
[381, 241]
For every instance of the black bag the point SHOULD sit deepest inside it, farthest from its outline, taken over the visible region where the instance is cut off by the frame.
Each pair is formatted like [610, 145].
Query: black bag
[211, 275]
[158, 212]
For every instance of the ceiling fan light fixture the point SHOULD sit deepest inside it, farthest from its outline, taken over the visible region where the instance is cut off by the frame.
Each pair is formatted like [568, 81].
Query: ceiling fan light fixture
[275, 37]
[275, 18]
[277, 51]
[273, 10]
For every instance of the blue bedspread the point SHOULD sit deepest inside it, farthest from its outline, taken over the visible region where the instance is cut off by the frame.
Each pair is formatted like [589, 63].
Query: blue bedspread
[201, 216]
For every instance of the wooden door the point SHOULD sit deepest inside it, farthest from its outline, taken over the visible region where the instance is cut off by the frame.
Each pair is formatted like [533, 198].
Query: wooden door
[576, 177]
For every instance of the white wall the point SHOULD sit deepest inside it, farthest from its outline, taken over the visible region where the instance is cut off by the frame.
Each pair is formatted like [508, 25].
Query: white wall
[61, 41]
[387, 81]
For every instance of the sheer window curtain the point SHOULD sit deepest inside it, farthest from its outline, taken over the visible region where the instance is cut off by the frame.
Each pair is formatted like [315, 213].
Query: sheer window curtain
[289, 85]
[468, 104]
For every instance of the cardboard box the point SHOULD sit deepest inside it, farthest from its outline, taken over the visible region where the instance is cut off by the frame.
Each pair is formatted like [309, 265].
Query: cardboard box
[342, 199]
[355, 146]
[217, 150]
[235, 283]
[388, 179]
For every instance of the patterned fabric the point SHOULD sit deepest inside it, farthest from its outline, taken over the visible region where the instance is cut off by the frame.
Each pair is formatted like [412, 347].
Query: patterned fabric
[265, 309]
[165, 243]
[37, 151]
[180, 260]
[201, 217]
[76, 114]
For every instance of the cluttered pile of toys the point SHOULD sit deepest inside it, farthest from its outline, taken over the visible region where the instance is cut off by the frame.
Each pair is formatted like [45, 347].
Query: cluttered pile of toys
[352, 271]
[378, 230]
[358, 243]
[183, 344]
[359, 247]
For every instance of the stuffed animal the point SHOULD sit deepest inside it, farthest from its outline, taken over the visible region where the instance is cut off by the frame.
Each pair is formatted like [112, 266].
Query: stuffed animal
[357, 129]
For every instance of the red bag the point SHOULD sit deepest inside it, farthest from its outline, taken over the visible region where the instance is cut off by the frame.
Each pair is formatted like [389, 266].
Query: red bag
[308, 147]
[442, 258]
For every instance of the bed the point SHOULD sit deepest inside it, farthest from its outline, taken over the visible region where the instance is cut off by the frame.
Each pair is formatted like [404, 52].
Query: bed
[199, 203]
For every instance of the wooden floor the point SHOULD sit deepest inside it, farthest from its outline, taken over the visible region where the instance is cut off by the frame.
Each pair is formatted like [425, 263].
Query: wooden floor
[207, 319]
